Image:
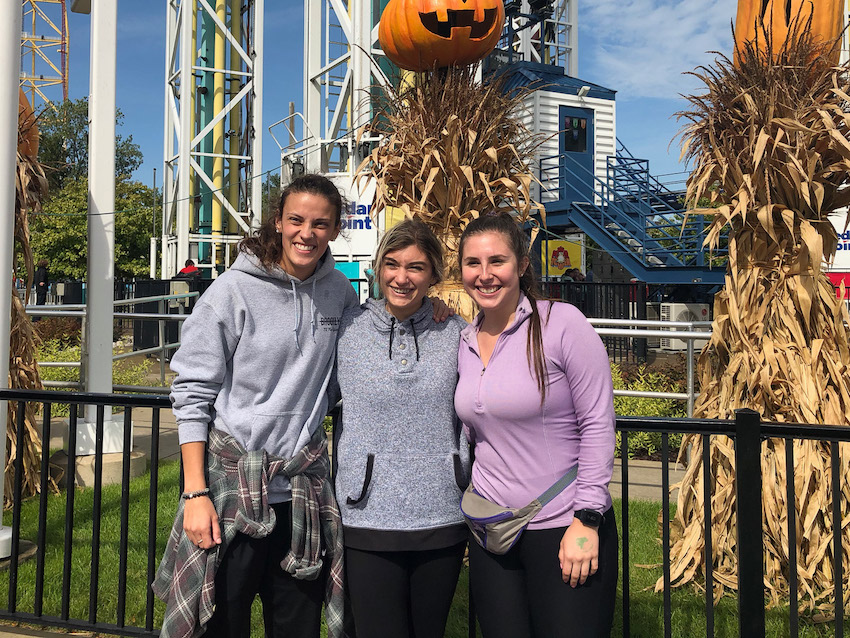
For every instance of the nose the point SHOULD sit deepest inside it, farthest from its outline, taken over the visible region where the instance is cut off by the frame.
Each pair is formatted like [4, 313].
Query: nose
[485, 272]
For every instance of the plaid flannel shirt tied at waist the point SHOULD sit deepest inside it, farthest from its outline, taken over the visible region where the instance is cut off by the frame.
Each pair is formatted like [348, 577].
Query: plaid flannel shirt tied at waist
[238, 480]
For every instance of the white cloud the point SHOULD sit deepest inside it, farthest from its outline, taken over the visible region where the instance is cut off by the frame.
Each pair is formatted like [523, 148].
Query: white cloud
[641, 48]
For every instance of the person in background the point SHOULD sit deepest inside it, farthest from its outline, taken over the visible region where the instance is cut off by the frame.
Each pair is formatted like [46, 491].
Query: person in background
[42, 282]
[189, 271]
[401, 466]
[535, 396]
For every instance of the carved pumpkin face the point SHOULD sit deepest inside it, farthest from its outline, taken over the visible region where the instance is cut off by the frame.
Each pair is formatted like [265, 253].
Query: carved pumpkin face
[423, 34]
[755, 18]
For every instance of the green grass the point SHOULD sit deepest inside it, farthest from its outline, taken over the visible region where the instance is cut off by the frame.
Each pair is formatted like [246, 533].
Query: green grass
[688, 617]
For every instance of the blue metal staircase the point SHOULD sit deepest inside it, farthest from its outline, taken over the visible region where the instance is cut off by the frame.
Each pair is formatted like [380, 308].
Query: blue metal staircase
[632, 216]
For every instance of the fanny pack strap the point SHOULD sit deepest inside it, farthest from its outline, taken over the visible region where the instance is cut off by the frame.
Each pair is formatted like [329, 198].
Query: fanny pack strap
[559, 486]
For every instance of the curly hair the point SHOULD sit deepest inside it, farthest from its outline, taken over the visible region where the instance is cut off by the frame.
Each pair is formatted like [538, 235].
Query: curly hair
[265, 243]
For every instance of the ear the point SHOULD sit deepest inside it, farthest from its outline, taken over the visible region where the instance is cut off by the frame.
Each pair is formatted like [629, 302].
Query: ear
[523, 265]
[336, 232]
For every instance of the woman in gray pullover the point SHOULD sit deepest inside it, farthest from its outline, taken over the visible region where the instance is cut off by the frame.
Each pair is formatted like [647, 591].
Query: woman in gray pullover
[400, 467]
[254, 363]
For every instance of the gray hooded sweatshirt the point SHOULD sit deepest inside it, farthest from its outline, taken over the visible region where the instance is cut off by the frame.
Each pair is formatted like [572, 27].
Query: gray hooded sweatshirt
[256, 355]
[400, 467]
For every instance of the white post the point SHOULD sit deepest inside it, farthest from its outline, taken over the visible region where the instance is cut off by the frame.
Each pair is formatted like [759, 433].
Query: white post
[256, 207]
[101, 222]
[10, 38]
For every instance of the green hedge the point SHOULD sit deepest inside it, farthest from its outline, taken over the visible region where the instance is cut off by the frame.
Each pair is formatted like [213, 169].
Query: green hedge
[646, 444]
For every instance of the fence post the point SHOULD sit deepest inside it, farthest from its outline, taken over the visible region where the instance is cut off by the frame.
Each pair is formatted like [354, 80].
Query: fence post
[748, 489]
[640, 300]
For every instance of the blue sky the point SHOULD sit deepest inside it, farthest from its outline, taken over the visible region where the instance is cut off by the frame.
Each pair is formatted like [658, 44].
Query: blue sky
[640, 48]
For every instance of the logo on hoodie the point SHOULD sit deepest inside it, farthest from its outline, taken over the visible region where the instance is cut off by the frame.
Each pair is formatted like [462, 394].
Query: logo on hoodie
[330, 324]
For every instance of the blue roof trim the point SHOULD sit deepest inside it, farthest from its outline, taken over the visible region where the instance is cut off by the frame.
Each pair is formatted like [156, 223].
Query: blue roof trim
[547, 77]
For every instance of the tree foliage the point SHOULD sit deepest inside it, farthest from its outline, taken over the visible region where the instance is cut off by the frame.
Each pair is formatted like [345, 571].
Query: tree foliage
[59, 234]
[64, 144]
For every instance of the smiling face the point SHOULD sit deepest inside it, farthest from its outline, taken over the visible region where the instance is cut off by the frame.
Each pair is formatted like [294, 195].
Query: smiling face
[307, 223]
[405, 275]
[490, 272]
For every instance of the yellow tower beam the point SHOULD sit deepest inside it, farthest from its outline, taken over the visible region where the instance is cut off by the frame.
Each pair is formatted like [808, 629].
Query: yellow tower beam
[44, 51]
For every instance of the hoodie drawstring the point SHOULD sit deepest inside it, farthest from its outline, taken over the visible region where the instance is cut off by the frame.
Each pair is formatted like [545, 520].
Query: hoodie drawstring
[297, 316]
[392, 330]
[415, 341]
[313, 311]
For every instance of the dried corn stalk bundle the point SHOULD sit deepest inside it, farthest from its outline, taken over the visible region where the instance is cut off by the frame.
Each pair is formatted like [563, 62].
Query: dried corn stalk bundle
[31, 187]
[770, 145]
[452, 149]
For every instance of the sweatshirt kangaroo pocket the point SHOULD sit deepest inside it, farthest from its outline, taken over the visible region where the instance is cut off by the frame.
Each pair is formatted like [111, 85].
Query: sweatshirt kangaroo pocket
[401, 492]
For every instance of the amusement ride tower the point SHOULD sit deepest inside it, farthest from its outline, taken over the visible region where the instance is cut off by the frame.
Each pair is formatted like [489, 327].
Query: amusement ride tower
[212, 190]
[44, 51]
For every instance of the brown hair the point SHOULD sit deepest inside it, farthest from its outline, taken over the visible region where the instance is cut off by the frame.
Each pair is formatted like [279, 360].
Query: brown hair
[411, 232]
[507, 226]
[265, 243]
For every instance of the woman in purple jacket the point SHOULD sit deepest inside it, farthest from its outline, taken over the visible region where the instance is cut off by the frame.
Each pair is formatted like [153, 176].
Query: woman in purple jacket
[536, 398]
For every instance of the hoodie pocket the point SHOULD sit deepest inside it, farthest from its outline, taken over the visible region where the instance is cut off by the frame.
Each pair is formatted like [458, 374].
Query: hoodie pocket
[367, 480]
[461, 477]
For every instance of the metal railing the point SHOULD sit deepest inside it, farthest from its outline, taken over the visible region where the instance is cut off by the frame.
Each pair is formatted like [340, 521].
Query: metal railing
[161, 349]
[746, 430]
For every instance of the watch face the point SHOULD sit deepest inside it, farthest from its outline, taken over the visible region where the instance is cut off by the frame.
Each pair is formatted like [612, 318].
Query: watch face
[589, 517]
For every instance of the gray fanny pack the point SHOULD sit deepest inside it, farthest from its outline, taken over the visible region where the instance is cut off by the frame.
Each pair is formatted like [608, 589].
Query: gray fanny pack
[498, 528]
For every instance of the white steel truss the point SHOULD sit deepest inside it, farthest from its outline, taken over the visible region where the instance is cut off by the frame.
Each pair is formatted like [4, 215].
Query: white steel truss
[212, 188]
[44, 51]
[341, 69]
[343, 63]
[552, 41]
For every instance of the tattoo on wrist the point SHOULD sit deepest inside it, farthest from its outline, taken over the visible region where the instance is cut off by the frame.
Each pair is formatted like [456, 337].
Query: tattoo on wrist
[580, 542]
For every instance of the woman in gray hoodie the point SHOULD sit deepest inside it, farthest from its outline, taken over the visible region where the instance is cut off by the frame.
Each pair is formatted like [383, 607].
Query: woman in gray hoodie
[252, 370]
[400, 467]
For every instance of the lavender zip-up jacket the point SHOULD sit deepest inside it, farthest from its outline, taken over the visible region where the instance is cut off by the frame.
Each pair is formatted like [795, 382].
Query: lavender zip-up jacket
[523, 447]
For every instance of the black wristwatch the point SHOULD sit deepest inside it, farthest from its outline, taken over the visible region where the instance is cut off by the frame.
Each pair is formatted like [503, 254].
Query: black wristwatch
[591, 518]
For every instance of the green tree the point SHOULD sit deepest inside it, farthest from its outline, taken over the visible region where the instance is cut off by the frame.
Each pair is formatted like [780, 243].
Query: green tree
[59, 233]
[64, 144]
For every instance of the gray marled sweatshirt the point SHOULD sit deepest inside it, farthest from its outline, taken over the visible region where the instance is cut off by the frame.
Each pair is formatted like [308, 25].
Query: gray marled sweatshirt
[400, 467]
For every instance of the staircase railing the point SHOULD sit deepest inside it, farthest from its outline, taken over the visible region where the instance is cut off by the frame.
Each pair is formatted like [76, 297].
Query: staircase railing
[627, 207]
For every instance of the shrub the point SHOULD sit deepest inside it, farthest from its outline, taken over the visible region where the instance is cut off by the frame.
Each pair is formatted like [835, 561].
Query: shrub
[646, 444]
[65, 331]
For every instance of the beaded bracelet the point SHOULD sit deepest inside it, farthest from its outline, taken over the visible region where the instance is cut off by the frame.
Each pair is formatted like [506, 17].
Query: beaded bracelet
[196, 493]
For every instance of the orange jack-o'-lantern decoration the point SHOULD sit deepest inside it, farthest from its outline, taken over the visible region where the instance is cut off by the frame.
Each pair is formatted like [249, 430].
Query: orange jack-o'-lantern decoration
[757, 18]
[28, 131]
[423, 34]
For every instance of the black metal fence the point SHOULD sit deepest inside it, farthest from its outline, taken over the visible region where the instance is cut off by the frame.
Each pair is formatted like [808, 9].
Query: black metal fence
[607, 301]
[26, 603]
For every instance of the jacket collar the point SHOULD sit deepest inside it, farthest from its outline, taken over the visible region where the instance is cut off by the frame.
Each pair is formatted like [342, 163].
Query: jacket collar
[523, 312]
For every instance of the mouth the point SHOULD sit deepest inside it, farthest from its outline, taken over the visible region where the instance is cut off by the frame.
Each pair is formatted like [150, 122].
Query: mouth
[488, 290]
[402, 292]
[457, 18]
[303, 249]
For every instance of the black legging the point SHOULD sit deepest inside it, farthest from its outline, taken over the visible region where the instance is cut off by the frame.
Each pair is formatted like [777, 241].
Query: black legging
[522, 593]
[402, 594]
